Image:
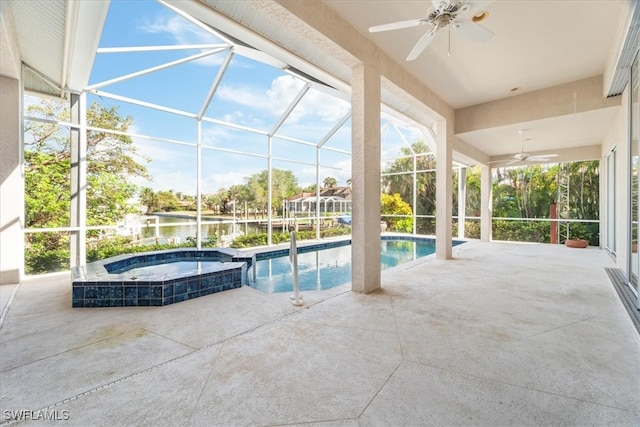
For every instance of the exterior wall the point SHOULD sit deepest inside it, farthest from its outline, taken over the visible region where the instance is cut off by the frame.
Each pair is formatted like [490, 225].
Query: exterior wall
[11, 182]
[618, 137]
[571, 98]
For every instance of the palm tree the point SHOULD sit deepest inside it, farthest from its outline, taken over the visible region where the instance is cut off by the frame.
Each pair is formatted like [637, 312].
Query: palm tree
[149, 199]
[330, 182]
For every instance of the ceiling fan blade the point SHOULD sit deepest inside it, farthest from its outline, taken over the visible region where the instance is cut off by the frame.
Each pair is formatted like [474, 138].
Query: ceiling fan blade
[473, 31]
[422, 44]
[397, 25]
[471, 6]
[542, 157]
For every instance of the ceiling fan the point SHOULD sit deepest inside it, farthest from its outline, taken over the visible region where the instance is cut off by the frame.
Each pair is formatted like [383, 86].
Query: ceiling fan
[444, 13]
[526, 157]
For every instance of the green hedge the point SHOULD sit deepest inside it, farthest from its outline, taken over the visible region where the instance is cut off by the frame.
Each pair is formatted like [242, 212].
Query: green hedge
[533, 231]
[123, 245]
[42, 256]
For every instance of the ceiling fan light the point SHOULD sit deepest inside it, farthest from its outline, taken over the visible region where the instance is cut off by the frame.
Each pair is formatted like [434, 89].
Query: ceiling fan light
[480, 16]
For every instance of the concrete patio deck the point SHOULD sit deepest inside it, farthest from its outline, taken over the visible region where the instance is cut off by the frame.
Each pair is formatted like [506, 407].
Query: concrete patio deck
[504, 334]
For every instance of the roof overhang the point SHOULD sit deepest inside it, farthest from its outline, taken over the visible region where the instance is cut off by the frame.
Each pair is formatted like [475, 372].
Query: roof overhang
[55, 40]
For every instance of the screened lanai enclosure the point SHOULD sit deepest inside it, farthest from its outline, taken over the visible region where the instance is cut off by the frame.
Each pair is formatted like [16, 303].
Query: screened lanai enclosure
[187, 136]
[192, 137]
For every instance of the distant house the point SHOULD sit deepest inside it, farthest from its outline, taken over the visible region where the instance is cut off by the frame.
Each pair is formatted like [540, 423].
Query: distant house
[333, 200]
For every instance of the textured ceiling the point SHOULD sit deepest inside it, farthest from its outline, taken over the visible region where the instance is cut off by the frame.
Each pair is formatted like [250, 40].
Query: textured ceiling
[40, 31]
[537, 44]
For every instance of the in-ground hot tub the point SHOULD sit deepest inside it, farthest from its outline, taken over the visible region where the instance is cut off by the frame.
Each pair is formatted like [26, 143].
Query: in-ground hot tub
[159, 278]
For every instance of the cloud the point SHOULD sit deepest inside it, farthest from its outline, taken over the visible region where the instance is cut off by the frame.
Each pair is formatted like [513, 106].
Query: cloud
[316, 113]
[182, 32]
[327, 108]
[162, 151]
[245, 96]
[222, 136]
[171, 166]
[283, 91]
[273, 101]
[314, 104]
[214, 181]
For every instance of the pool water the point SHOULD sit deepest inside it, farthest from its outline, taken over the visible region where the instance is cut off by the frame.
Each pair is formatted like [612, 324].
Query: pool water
[168, 268]
[327, 268]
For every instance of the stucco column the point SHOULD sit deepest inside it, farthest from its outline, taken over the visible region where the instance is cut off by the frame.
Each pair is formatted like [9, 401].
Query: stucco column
[486, 205]
[11, 183]
[78, 238]
[365, 178]
[462, 200]
[444, 196]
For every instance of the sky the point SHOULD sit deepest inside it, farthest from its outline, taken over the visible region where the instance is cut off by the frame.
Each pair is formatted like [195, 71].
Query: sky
[251, 94]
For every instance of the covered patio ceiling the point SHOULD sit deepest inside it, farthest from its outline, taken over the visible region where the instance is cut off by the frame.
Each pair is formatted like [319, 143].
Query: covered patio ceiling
[537, 46]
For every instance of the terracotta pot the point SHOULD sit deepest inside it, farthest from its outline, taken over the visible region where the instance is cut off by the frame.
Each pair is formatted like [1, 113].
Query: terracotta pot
[576, 243]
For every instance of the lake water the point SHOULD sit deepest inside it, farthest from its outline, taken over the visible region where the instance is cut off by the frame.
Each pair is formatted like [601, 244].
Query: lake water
[184, 227]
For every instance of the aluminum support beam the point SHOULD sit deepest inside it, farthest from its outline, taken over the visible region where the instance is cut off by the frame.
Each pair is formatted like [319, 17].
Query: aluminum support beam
[78, 238]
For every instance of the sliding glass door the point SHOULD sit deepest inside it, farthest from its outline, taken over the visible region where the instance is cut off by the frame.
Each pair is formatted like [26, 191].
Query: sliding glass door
[633, 164]
[611, 202]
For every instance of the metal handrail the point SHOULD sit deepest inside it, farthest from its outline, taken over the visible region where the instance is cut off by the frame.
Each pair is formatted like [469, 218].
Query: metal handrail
[293, 259]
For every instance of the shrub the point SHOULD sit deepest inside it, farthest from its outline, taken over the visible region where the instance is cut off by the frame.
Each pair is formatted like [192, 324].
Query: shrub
[392, 204]
[122, 245]
[260, 239]
[335, 231]
[472, 229]
[521, 231]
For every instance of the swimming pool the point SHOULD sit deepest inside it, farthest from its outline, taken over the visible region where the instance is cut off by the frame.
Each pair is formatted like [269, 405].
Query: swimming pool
[169, 276]
[158, 278]
[324, 268]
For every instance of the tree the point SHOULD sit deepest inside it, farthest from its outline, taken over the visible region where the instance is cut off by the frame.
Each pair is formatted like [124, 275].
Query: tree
[284, 184]
[584, 189]
[112, 160]
[399, 178]
[219, 200]
[167, 201]
[148, 199]
[311, 188]
[525, 192]
[474, 199]
[330, 182]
